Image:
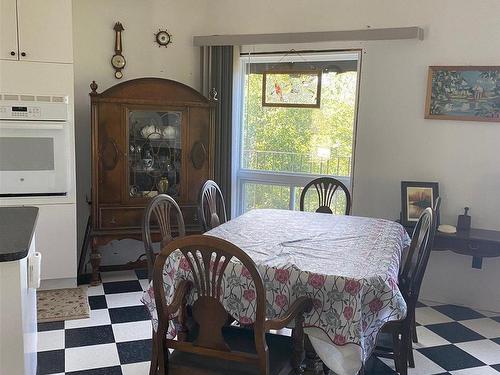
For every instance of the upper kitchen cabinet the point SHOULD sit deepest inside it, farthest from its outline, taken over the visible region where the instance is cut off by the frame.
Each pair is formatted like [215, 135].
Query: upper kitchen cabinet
[42, 30]
[8, 30]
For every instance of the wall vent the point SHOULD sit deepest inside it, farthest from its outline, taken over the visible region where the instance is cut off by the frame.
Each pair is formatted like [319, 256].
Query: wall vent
[10, 97]
[33, 98]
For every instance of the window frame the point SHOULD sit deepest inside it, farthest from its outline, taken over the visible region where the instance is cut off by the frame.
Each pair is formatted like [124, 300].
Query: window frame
[293, 180]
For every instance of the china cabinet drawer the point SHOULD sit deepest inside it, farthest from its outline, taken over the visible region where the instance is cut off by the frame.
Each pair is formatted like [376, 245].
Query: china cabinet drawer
[122, 217]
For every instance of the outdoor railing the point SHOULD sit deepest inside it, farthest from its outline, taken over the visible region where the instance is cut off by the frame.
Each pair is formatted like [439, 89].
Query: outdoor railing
[283, 161]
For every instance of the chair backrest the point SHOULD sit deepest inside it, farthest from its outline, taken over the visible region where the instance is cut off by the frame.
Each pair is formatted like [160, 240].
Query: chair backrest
[208, 258]
[419, 252]
[437, 209]
[326, 187]
[437, 205]
[161, 207]
[212, 209]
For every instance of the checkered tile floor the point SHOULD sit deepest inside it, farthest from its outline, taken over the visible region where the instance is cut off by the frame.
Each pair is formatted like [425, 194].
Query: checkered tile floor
[116, 339]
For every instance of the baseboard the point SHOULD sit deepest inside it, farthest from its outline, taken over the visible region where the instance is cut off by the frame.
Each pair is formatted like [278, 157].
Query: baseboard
[58, 283]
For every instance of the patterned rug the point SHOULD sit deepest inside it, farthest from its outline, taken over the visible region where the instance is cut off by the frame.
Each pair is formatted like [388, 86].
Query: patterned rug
[62, 304]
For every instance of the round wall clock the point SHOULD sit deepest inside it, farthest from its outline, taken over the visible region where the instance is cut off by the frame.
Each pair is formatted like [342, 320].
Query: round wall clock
[163, 38]
[118, 61]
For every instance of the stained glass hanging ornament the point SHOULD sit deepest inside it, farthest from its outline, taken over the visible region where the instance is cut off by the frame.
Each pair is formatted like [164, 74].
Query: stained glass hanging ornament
[291, 87]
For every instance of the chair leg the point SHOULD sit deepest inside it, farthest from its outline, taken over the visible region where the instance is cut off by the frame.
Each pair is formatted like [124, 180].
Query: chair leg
[166, 353]
[162, 354]
[263, 364]
[414, 330]
[312, 360]
[153, 368]
[411, 359]
[405, 343]
[396, 343]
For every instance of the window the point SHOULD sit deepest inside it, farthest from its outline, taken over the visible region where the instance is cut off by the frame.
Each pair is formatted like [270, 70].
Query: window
[282, 148]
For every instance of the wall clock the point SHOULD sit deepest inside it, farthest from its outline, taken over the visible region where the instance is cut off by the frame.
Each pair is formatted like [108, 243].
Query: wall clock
[163, 38]
[118, 61]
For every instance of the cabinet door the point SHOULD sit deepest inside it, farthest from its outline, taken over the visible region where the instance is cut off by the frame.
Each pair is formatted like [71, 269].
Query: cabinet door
[45, 30]
[56, 240]
[155, 138]
[8, 30]
[199, 148]
[109, 153]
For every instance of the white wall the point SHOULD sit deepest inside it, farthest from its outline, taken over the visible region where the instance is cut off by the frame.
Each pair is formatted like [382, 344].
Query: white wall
[394, 142]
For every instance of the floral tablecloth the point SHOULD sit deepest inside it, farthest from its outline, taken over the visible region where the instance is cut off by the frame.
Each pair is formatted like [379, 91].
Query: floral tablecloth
[348, 265]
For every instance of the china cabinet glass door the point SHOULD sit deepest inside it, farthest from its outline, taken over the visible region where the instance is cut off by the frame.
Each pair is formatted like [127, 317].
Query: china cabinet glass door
[154, 155]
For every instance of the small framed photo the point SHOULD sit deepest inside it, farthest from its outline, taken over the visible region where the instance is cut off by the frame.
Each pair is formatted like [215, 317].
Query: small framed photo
[415, 198]
[299, 89]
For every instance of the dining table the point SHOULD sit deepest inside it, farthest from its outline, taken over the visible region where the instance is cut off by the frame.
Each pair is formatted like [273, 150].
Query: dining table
[348, 265]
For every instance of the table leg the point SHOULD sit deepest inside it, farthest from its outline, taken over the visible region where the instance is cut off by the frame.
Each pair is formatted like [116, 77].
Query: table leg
[313, 362]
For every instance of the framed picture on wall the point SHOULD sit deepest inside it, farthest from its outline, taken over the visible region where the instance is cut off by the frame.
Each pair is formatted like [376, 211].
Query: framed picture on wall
[470, 93]
[415, 198]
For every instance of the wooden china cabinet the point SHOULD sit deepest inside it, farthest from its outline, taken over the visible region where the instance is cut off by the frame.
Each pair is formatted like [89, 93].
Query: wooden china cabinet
[149, 136]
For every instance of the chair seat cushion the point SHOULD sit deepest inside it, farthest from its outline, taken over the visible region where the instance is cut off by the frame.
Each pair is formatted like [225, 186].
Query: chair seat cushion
[238, 339]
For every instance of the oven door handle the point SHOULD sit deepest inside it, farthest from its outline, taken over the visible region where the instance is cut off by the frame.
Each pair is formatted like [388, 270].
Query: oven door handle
[34, 125]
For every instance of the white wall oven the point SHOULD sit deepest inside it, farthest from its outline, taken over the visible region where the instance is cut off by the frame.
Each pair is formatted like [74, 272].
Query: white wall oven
[34, 145]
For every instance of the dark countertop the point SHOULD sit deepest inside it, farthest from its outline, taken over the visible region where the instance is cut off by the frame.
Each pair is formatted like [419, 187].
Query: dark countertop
[17, 228]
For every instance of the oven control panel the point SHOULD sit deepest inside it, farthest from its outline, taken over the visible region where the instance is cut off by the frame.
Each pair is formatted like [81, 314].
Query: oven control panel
[33, 108]
[21, 112]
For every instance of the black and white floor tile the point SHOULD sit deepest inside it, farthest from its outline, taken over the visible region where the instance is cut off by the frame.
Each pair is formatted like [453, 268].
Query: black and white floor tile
[116, 339]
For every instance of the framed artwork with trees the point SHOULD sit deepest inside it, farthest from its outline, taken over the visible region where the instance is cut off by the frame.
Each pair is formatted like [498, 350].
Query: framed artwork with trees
[467, 93]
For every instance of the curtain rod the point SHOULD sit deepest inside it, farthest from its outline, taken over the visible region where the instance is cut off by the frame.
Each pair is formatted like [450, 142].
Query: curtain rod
[393, 33]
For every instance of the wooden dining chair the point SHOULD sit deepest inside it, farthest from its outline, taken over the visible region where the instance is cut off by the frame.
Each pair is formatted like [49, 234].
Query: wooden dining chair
[395, 339]
[326, 189]
[437, 205]
[211, 208]
[213, 347]
[436, 208]
[161, 207]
